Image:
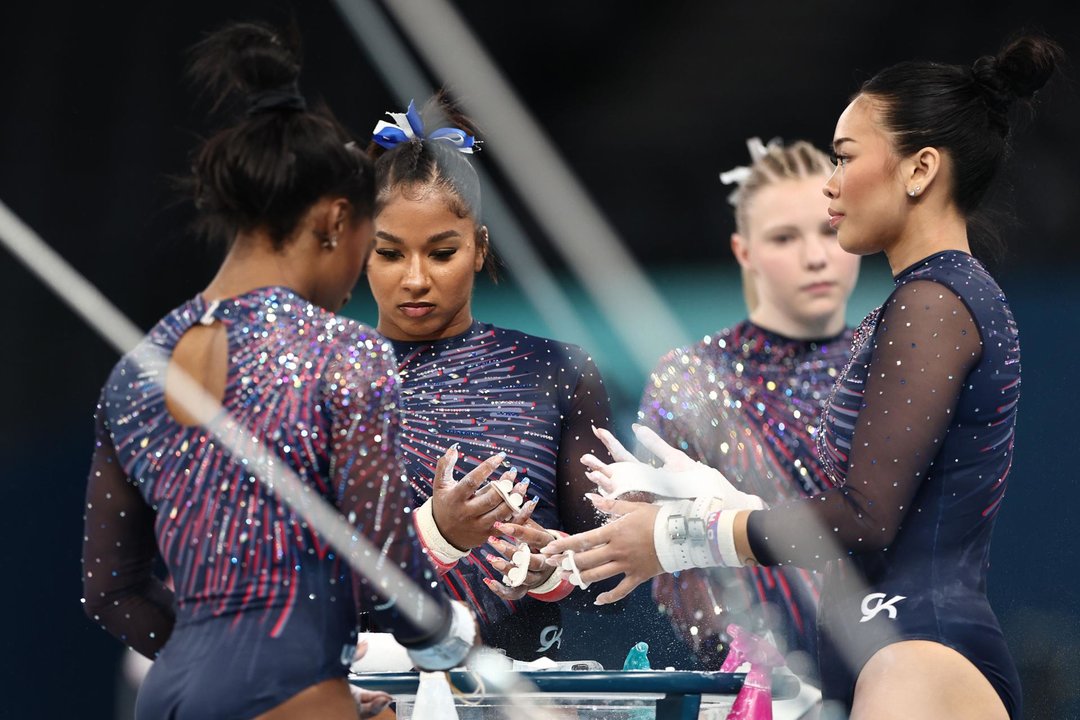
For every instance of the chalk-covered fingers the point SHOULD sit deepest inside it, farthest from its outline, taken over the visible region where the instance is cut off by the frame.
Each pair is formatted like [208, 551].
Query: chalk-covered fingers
[672, 458]
[614, 447]
[529, 533]
[624, 545]
[462, 515]
[476, 477]
[444, 470]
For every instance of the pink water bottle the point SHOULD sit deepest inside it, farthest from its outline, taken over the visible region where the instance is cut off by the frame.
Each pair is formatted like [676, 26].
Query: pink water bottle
[754, 701]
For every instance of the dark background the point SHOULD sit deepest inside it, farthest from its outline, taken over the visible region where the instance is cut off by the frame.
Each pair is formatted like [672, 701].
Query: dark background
[647, 104]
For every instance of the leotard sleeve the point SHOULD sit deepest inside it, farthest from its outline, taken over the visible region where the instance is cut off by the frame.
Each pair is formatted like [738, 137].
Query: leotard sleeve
[589, 406]
[120, 590]
[925, 344]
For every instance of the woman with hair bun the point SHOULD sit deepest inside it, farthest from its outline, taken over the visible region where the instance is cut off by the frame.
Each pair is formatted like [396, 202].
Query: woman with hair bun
[261, 617]
[918, 433]
[473, 389]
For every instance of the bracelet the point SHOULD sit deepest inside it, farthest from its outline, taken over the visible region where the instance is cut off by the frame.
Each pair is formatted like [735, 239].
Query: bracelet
[722, 538]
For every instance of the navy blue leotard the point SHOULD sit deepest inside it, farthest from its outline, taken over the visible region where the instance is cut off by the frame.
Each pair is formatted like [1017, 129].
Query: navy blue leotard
[918, 437]
[262, 607]
[494, 389]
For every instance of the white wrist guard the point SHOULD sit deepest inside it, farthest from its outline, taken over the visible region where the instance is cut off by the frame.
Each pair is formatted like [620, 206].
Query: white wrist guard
[432, 539]
[680, 534]
[451, 651]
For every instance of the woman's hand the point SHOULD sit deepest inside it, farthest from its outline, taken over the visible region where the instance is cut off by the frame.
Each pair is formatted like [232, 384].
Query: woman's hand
[369, 703]
[680, 476]
[622, 546]
[464, 513]
[514, 534]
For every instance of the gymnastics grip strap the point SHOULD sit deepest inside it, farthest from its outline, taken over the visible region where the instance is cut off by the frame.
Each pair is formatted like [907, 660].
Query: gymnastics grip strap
[695, 534]
[556, 587]
[443, 555]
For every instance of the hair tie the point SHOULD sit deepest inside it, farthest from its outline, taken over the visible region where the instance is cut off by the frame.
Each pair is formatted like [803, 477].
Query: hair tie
[286, 97]
[740, 173]
[407, 126]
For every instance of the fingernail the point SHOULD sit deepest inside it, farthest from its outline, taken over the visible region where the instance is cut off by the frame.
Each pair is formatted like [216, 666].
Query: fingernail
[552, 561]
[593, 498]
[492, 539]
[635, 426]
[598, 601]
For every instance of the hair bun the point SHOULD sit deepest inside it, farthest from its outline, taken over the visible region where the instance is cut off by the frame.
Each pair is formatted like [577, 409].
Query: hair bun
[1024, 66]
[244, 59]
[990, 82]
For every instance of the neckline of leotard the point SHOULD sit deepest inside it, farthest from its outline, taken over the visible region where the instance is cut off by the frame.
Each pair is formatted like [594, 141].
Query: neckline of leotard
[929, 259]
[779, 338]
[254, 295]
[474, 327]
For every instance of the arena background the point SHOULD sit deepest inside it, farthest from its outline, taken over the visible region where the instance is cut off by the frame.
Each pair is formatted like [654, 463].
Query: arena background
[645, 103]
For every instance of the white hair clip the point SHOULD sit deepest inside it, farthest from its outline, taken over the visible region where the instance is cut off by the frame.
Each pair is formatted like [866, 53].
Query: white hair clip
[740, 173]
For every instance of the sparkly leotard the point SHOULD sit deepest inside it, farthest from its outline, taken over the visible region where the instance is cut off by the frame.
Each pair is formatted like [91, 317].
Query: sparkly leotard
[746, 401]
[918, 436]
[262, 607]
[492, 389]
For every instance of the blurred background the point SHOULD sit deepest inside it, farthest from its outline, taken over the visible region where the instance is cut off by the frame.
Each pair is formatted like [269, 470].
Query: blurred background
[645, 105]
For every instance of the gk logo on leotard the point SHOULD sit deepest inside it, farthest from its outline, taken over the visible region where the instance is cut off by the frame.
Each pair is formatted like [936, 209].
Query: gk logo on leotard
[889, 606]
[551, 635]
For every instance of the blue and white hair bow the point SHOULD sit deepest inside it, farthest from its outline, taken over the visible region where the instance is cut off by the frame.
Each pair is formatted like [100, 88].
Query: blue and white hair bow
[408, 125]
[739, 174]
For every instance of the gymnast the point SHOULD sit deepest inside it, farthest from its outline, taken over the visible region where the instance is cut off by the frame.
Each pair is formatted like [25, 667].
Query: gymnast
[473, 389]
[262, 620]
[917, 436]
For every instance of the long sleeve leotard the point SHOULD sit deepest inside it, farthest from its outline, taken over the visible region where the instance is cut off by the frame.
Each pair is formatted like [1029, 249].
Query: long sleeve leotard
[493, 389]
[918, 438]
[262, 606]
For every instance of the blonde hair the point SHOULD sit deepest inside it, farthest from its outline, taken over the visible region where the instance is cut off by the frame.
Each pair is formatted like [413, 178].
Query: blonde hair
[773, 163]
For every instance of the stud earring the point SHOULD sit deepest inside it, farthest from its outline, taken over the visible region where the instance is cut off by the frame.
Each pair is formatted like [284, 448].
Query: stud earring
[331, 242]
